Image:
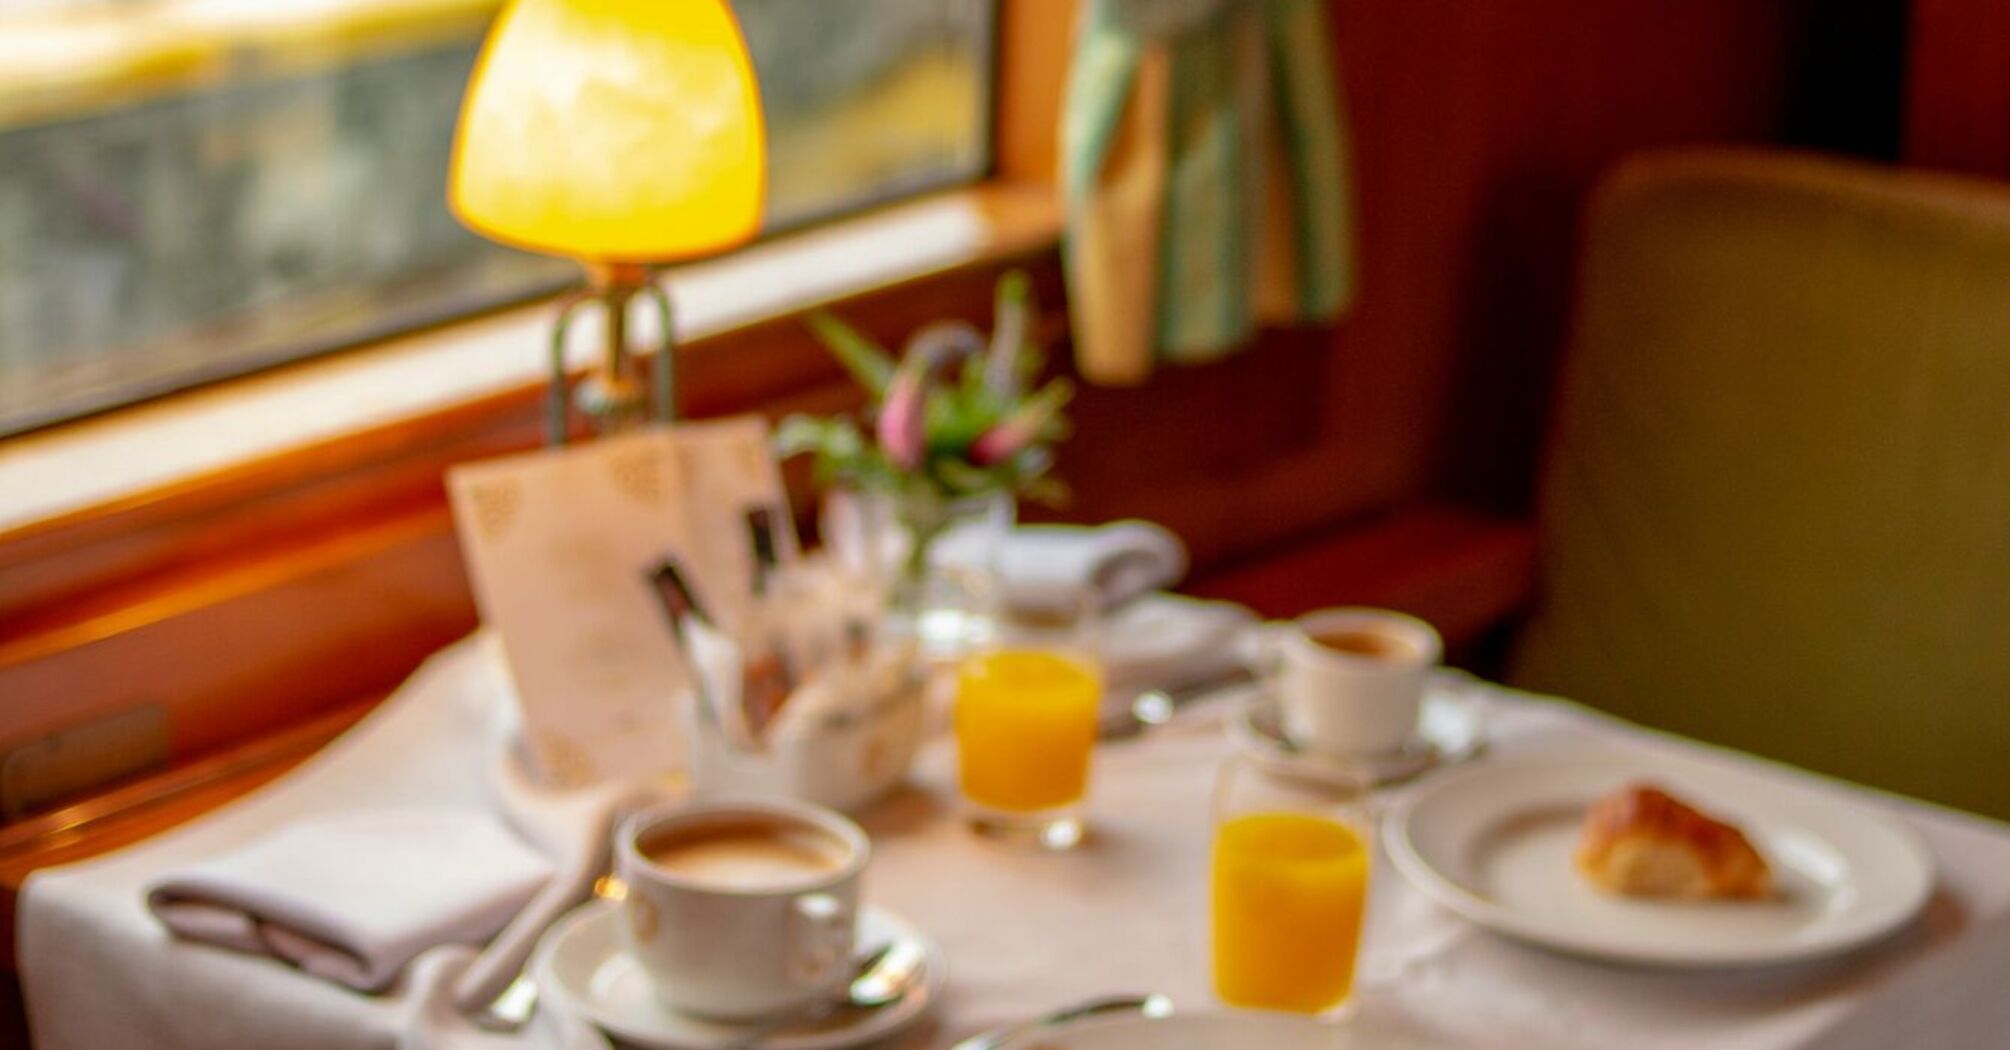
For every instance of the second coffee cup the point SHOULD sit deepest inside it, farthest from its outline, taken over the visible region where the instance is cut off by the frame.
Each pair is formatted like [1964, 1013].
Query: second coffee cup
[1351, 681]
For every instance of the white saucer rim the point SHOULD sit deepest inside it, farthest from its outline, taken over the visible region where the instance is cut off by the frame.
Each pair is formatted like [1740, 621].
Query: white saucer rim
[1418, 747]
[873, 1027]
[1384, 769]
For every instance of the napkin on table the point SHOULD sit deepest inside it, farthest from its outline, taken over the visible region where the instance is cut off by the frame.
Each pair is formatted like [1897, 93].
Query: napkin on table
[354, 897]
[1045, 568]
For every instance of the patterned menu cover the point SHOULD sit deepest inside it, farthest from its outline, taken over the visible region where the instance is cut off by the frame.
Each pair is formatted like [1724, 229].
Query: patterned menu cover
[728, 469]
[558, 544]
[566, 549]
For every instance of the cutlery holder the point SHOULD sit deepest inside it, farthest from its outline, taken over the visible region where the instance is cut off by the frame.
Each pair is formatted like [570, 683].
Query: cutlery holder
[844, 754]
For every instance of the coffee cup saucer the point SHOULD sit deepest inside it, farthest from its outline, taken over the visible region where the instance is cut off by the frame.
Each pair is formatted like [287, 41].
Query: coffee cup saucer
[581, 964]
[1451, 727]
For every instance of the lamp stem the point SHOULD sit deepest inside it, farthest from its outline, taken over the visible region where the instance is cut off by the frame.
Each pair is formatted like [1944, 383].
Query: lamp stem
[612, 396]
[614, 298]
[665, 371]
[557, 387]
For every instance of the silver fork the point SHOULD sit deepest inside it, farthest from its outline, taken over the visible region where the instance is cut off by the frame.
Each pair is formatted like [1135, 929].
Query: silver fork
[1148, 1005]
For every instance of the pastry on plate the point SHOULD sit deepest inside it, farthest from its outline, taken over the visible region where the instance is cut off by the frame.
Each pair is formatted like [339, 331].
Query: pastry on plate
[1641, 841]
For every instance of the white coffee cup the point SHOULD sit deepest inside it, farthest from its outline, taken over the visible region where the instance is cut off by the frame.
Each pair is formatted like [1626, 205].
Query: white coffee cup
[741, 909]
[1351, 681]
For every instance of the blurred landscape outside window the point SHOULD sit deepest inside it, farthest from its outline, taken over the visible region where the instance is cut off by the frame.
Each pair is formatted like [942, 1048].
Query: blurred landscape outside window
[195, 189]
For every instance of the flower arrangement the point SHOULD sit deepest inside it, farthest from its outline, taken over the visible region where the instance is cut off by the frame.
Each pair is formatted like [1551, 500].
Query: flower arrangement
[954, 418]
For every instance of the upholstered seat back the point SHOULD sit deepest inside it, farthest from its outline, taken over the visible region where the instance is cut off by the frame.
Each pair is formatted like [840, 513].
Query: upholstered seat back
[1776, 512]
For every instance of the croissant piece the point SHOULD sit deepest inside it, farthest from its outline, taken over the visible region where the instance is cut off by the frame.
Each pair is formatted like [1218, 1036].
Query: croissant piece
[1641, 841]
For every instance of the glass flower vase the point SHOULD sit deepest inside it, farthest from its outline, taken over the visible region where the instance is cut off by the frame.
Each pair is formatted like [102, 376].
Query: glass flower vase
[934, 560]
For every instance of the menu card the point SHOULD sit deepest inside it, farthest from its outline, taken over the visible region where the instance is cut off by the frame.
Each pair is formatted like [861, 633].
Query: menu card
[564, 548]
[728, 470]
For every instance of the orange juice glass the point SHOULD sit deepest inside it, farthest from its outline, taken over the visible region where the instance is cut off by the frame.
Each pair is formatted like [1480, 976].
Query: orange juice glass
[1288, 894]
[1025, 728]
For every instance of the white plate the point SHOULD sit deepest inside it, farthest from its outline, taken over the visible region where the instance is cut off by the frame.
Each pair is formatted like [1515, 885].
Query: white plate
[581, 962]
[1450, 729]
[1493, 842]
[1236, 1030]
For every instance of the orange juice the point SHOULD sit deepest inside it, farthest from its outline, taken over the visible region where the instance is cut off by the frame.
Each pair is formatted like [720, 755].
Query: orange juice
[1025, 723]
[1289, 891]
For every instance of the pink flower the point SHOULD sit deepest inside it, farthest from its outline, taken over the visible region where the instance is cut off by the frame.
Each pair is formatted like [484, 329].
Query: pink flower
[902, 428]
[1001, 442]
[1011, 435]
[900, 424]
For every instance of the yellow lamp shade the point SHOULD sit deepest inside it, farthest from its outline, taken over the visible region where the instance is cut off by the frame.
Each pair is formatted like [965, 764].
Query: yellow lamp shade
[618, 130]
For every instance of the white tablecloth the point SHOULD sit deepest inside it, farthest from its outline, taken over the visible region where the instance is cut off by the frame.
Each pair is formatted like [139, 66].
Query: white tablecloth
[1026, 932]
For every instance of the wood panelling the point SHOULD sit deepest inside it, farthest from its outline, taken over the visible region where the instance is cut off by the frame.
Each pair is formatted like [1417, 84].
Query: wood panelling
[1465, 573]
[1958, 86]
[1480, 128]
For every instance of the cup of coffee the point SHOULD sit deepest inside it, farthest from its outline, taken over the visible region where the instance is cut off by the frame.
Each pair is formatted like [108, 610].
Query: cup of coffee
[741, 909]
[1351, 681]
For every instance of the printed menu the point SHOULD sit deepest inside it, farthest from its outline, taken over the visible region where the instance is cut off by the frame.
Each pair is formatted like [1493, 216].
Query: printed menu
[565, 549]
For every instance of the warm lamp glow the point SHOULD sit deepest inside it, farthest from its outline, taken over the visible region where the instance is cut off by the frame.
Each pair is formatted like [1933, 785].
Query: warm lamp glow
[621, 130]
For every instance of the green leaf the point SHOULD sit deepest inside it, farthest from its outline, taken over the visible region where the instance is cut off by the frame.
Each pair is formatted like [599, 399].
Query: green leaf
[962, 477]
[1047, 491]
[971, 383]
[959, 422]
[1044, 409]
[839, 447]
[868, 362]
[799, 434]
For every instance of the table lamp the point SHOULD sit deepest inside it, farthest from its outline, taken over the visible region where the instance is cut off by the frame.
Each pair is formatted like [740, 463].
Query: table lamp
[623, 134]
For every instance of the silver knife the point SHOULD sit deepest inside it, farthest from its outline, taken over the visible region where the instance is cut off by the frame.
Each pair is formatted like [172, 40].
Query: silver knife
[1155, 707]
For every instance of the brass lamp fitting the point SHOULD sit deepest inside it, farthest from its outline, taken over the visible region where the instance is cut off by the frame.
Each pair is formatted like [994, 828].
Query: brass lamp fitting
[613, 395]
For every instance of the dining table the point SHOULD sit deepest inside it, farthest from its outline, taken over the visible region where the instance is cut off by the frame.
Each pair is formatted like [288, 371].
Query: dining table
[1024, 931]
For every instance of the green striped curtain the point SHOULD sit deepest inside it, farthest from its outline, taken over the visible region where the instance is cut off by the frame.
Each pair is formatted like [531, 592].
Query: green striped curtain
[1204, 170]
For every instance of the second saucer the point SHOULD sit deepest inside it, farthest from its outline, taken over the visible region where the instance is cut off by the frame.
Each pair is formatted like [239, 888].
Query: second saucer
[1451, 728]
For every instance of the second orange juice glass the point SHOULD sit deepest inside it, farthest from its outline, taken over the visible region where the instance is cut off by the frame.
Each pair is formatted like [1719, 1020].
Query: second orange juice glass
[1025, 728]
[1288, 891]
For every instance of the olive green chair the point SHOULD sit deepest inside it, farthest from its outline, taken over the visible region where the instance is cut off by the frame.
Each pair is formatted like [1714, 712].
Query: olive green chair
[1776, 508]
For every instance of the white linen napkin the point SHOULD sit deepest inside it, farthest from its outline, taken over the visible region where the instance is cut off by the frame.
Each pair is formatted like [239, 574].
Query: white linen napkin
[354, 897]
[1046, 568]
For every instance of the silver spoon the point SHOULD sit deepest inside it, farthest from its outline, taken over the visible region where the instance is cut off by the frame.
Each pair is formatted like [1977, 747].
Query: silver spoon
[1148, 1005]
[881, 978]
[495, 991]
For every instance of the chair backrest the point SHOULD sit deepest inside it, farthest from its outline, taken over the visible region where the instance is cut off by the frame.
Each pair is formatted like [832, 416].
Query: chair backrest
[1776, 510]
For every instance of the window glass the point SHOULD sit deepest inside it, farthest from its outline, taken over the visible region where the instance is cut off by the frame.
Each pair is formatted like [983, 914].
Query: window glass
[191, 189]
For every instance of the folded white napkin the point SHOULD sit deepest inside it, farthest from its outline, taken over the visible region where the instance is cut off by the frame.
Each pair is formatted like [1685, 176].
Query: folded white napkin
[352, 898]
[1046, 568]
